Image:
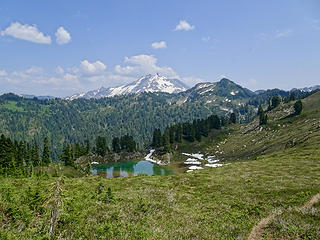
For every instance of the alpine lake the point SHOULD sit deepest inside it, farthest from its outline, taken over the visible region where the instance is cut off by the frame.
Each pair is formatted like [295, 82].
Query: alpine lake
[131, 168]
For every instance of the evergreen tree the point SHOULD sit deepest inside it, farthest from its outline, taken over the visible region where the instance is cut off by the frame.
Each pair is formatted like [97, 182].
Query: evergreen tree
[166, 141]
[116, 145]
[203, 127]
[178, 134]
[224, 122]
[192, 135]
[172, 132]
[275, 101]
[28, 155]
[127, 143]
[233, 118]
[214, 122]
[66, 155]
[19, 154]
[156, 140]
[260, 110]
[197, 134]
[35, 154]
[101, 146]
[292, 96]
[46, 152]
[87, 146]
[7, 158]
[263, 118]
[298, 107]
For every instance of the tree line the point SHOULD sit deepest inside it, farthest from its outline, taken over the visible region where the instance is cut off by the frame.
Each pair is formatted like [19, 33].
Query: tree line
[188, 131]
[20, 157]
[274, 102]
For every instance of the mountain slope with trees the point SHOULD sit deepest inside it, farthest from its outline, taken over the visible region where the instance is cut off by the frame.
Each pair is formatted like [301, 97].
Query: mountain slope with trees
[137, 115]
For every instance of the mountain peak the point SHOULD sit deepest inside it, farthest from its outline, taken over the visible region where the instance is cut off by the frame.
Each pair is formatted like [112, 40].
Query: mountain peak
[225, 80]
[147, 83]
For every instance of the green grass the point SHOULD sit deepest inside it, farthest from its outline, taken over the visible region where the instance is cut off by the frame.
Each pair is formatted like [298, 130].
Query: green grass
[296, 224]
[12, 105]
[222, 203]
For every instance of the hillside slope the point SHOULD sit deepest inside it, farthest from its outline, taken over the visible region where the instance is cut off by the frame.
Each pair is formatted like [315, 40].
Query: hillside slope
[282, 132]
[214, 203]
[134, 114]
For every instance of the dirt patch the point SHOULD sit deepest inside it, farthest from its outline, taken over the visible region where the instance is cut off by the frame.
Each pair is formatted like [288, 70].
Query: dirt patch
[258, 230]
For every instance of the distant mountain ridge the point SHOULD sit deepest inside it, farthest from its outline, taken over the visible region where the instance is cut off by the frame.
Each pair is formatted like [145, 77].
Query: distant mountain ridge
[38, 97]
[307, 89]
[148, 83]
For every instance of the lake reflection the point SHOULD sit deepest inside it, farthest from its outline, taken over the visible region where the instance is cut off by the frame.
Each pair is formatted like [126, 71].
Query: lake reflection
[130, 168]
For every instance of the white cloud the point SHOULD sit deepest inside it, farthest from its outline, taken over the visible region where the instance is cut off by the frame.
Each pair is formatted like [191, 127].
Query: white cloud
[92, 68]
[184, 25]
[283, 33]
[158, 45]
[34, 70]
[190, 81]
[26, 32]
[59, 70]
[205, 39]
[62, 36]
[3, 73]
[124, 70]
[144, 64]
[88, 75]
[222, 76]
[275, 34]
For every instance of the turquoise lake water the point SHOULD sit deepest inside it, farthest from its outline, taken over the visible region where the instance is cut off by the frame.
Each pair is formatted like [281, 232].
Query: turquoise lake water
[130, 168]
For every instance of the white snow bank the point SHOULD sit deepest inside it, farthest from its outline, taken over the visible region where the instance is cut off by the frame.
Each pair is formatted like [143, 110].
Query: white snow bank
[213, 161]
[195, 155]
[149, 155]
[213, 165]
[94, 163]
[195, 168]
[149, 159]
[192, 163]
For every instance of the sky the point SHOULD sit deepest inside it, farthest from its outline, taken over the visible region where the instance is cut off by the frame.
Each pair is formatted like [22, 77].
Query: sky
[60, 47]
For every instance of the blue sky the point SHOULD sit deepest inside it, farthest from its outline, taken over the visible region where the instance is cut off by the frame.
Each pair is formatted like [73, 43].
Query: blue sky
[64, 47]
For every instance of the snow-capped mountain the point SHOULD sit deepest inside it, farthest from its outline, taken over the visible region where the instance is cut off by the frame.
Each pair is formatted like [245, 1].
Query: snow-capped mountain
[148, 83]
[307, 89]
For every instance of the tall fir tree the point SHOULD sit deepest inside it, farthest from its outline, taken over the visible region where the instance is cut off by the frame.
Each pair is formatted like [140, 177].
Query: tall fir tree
[233, 118]
[35, 154]
[88, 146]
[156, 140]
[116, 145]
[298, 107]
[66, 155]
[101, 146]
[260, 110]
[166, 141]
[46, 152]
[178, 134]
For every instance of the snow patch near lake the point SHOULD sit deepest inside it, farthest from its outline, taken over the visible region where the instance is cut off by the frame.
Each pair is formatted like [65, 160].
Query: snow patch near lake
[195, 155]
[213, 165]
[195, 168]
[192, 161]
[148, 158]
[198, 159]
